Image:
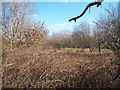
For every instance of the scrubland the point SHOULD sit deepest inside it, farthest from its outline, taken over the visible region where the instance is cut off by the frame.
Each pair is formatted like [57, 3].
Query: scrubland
[36, 67]
[86, 56]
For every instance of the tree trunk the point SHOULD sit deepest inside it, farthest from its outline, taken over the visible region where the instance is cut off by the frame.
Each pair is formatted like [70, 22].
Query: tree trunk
[118, 70]
[99, 48]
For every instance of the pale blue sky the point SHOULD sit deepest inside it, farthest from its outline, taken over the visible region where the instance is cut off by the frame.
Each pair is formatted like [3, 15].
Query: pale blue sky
[57, 14]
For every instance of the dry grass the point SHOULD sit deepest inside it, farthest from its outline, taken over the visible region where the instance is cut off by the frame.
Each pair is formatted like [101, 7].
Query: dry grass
[51, 68]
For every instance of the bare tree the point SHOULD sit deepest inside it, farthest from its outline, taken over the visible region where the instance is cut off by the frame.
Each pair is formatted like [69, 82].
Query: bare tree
[81, 35]
[14, 17]
[110, 32]
[98, 36]
[60, 40]
[17, 24]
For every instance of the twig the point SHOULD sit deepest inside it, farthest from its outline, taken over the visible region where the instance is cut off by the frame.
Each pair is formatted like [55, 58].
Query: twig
[9, 65]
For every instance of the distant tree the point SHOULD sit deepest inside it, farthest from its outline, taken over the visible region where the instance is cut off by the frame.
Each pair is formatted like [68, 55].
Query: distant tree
[98, 38]
[81, 35]
[60, 40]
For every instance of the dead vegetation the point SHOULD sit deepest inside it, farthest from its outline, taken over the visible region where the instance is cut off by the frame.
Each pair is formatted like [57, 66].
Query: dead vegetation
[31, 59]
[52, 68]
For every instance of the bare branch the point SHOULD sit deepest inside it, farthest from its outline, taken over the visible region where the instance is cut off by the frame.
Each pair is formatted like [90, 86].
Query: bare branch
[87, 7]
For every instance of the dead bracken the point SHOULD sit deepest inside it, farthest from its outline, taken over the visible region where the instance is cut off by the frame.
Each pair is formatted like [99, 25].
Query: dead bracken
[52, 68]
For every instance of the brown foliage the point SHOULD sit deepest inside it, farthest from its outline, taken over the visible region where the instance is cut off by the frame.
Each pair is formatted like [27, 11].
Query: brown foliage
[52, 68]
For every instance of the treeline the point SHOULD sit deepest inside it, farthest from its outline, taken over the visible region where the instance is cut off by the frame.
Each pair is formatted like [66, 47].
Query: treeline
[80, 38]
[19, 29]
[105, 33]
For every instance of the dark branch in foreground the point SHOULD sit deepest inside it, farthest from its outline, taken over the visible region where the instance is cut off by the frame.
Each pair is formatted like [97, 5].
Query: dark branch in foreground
[87, 7]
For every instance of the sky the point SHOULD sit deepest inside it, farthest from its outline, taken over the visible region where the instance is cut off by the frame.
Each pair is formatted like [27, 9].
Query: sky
[57, 14]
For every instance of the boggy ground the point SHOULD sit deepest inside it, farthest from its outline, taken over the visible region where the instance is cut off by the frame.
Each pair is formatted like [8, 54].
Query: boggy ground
[52, 68]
